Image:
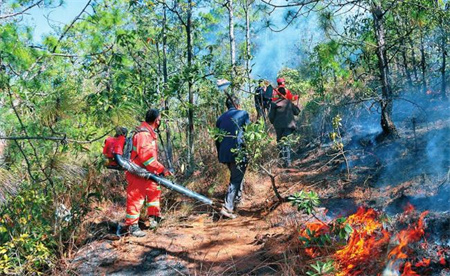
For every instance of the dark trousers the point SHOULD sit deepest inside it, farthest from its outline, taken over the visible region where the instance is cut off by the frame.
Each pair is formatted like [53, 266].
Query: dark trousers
[285, 148]
[262, 109]
[235, 188]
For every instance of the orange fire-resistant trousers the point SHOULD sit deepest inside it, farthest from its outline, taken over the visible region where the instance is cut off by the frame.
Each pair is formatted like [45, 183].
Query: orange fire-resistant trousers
[140, 191]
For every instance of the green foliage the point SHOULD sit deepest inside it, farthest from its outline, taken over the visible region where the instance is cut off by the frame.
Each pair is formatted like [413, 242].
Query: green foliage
[27, 243]
[305, 202]
[314, 239]
[218, 134]
[295, 81]
[335, 135]
[256, 140]
[114, 63]
[321, 268]
[341, 229]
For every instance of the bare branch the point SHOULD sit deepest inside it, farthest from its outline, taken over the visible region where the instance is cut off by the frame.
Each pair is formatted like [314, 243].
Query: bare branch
[63, 139]
[272, 180]
[15, 138]
[71, 25]
[4, 16]
[301, 3]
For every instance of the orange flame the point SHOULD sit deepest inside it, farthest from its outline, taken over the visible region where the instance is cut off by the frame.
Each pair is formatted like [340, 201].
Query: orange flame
[367, 244]
[412, 234]
[405, 237]
[441, 258]
[409, 208]
[407, 270]
[423, 263]
[316, 229]
[364, 244]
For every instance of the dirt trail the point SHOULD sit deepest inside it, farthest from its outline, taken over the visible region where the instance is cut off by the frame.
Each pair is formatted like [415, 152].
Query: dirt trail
[201, 243]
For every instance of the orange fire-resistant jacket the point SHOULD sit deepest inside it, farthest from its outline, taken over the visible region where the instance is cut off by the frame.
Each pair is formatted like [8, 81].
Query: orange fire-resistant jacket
[145, 150]
[289, 96]
[140, 190]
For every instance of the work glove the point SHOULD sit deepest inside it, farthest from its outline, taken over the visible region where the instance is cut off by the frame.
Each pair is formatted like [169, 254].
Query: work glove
[167, 172]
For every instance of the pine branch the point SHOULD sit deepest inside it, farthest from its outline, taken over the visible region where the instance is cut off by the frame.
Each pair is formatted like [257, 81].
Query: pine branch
[71, 25]
[4, 16]
[63, 139]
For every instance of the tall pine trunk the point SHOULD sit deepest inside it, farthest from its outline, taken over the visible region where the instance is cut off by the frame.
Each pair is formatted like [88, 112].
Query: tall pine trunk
[444, 53]
[389, 129]
[230, 8]
[247, 42]
[2, 133]
[403, 50]
[169, 150]
[406, 68]
[191, 164]
[423, 64]
[443, 80]
[413, 60]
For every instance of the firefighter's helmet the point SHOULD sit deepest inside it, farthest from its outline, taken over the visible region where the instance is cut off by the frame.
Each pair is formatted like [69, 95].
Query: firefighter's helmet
[280, 80]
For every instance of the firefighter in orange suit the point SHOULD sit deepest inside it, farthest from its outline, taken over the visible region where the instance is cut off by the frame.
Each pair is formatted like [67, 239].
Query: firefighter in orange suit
[140, 190]
[277, 95]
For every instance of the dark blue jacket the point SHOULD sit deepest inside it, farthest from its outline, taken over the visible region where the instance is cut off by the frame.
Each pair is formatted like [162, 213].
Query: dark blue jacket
[233, 122]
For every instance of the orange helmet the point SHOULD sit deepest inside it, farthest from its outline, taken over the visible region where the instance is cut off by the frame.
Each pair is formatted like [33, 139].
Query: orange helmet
[280, 80]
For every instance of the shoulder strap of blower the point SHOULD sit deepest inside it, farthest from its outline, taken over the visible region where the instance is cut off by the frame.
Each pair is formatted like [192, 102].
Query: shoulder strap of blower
[129, 142]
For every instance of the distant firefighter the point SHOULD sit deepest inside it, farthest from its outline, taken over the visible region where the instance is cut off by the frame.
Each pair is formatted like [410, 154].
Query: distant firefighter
[281, 115]
[263, 98]
[288, 95]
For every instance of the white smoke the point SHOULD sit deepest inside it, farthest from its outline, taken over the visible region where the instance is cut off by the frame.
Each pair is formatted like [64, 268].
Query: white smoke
[276, 50]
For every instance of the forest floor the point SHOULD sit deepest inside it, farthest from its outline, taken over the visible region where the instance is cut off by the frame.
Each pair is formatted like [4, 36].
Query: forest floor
[263, 239]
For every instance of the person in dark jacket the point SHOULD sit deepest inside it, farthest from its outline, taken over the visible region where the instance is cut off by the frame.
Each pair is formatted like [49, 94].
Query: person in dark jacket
[281, 115]
[232, 122]
[263, 98]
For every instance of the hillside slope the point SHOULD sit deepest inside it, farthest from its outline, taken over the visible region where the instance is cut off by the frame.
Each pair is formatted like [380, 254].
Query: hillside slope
[263, 240]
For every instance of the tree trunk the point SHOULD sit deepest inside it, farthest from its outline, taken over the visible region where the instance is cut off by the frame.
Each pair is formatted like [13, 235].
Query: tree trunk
[169, 150]
[247, 43]
[404, 55]
[2, 142]
[423, 64]
[232, 38]
[2, 133]
[444, 56]
[406, 68]
[414, 62]
[389, 129]
[191, 164]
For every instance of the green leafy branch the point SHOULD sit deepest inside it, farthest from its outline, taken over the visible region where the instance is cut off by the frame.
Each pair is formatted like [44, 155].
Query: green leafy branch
[337, 140]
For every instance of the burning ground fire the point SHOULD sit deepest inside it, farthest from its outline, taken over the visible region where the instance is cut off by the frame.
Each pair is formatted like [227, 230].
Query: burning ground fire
[362, 245]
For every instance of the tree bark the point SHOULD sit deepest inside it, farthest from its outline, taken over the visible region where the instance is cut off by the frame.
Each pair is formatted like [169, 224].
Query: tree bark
[414, 62]
[2, 142]
[191, 164]
[230, 8]
[406, 68]
[444, 55]
[389, 129]
[444, 60]
[404, 54]
[247, 43]
[423, 64]
[169, 150]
